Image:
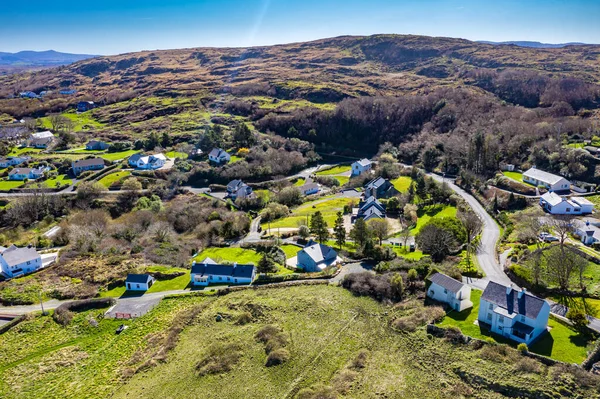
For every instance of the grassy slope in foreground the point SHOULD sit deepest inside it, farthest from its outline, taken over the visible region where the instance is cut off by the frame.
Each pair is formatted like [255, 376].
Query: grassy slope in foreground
[326, 328]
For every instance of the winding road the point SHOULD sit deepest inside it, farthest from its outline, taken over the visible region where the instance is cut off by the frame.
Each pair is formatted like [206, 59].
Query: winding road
[488, 261]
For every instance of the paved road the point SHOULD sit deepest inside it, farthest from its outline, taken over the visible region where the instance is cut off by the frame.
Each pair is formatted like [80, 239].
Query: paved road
[489, 236]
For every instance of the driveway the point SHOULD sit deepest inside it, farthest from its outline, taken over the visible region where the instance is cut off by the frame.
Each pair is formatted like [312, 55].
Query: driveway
[350, 268]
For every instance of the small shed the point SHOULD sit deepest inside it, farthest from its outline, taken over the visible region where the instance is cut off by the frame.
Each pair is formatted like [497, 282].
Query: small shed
[139, 282]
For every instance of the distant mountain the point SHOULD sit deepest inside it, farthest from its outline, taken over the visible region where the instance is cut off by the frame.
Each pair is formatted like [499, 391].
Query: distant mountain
[533, 44]
[40, 58]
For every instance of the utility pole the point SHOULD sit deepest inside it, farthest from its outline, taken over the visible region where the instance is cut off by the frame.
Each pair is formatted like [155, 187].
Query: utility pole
[41, 303]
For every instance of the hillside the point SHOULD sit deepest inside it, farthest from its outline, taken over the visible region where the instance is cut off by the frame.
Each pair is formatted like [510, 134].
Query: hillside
[181, 348]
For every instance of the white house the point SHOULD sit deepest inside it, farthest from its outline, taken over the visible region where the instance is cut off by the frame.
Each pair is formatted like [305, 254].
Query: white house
[210, 272]
[13, 161]
[588, 233]
[133, 160]
[155, 161]
[548, 180]
[233, 186]
[368, 209]
[139, 282]
[448, 290]
[316, 257]
[361, 166]
[310, 188]
[514, 314]
[16, 262]
[219, 156]
[83, 165]
[26, 173]
[557, 205]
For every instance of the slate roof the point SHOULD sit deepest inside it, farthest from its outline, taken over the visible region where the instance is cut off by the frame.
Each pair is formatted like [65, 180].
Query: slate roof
[25, 171]
[234, 184]
[308, 187]
[88, 162]
[14, 256]
[446, 282]
[217, 153]
[235, 271]
[138, 278]
[364, 162]
[542, 176]
[135, 157]
[41, 140]
[320, 253]
[529, 305]
[376, 183]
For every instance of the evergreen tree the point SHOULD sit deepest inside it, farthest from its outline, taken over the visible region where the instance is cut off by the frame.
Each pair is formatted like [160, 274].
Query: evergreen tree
[421, 187]
[243, 136]
[318, 227]
[360, 233]
[165, 140]
[339, 231]
[266, 265]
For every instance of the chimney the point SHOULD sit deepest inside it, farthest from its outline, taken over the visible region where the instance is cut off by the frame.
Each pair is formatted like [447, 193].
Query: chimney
[510, 302]
[521, 302]
[234, 265]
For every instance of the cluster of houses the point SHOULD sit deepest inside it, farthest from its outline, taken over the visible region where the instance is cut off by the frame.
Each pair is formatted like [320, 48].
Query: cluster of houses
[511, 313]
[16, 262]
[150, 162]
[13, 161]
[370, 207]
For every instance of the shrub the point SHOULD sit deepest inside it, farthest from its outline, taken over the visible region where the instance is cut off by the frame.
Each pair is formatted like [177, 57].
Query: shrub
[367, 284]
[528, 365]
[244, 318]
[522, 347]
[578, 318]
[278, 356]
[64, 313]
[317, 392]
[359, 362]
[266, 333]
[219, 359]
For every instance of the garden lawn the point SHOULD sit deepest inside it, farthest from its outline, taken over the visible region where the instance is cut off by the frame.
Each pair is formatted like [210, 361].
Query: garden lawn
[23, 150]
[6, 185]
[81, 121]
[229, 254]
[235, 158]
[299, 182]
[402, 183]
[434, 211]
[562, 343]
[518, 176]
[342, 179]
[177, 283]
[405, 253]
[290, 250]
[336, 170]
[81, 150]
[115, 156]
[62, 179]
[328, 207]
[176, 154]
[110, 178]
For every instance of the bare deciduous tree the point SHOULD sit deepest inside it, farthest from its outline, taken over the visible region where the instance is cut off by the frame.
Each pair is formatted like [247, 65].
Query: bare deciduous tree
[380, 228]
[435, 241]
[473, 226]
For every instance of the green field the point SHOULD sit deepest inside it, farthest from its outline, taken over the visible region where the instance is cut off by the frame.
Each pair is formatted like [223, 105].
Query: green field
[235, 158]
[23, 150]
[110, 178]
[62, 179]
[402, 183]
[337, 170]
[328, 207]
[6, 185]
[436, 211]
[81, 121]
[323, 329]
[562, 343]
[81, 150]
[115, 156]
[518, 176]
[229, 254]
[176, 154]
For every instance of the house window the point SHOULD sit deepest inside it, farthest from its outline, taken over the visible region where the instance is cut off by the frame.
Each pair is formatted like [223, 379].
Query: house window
[522, 318]
[491, 306]
[445, 291]
[489, 317]
[228, 279]
[137, 286]
[568, 209]
[220, 278]
[431, 292]
[28, 262]
[501, 319]
[235, 280]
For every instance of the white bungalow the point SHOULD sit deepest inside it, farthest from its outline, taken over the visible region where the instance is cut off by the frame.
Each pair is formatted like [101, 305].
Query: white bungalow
[13, 161]
[587, 232]
[310, 188]
[557, 205]
[26, 173]
[548, 180]
[139, 282]
[210, 272]
[361, 166]
[448, 290]
[16, 262]
[514, 314]
[155, 161]
[316, 257]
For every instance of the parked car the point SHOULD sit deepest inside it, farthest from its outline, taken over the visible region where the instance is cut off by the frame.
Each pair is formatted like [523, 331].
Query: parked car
[412, 247]
[550, 238]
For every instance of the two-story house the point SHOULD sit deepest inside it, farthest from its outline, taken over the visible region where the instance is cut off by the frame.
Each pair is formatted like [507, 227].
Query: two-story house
[380, 188]
[219, 156]
[514, 314]
[16, 262]
[361, 166]
[369, 209]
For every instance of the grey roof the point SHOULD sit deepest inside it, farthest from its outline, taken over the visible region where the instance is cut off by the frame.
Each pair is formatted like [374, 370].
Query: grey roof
[529, 305]
[88, 162]
[135, 157]
[138, 278]
[234, 184]
[217, 153]
[447, 282]
[370, 202]
[14, 256]
[308, 187]
[319, 252]
[545, 177]
[24, 171]
[42, 140]
[363, 162]
[376, 183]
[241, 271]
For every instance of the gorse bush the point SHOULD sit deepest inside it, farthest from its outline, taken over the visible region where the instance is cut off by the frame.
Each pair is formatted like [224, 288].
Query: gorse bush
[219, 359]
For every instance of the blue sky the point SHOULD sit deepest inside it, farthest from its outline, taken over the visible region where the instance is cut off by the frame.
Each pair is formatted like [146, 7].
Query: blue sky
[118, 26]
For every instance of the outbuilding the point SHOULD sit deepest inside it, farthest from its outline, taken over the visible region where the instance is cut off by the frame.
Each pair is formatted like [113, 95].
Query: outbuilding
[139, 282]
[448, 290]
